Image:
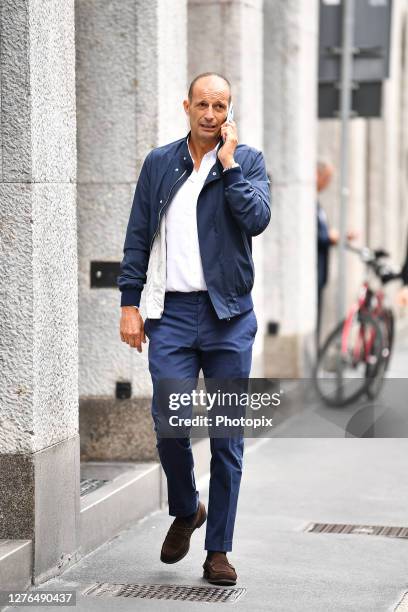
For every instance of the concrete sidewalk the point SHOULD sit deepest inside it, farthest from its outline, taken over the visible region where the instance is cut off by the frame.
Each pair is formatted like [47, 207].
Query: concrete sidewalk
[287, 483]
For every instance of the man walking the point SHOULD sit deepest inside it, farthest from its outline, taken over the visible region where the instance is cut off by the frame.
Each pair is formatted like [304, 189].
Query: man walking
[197, 205]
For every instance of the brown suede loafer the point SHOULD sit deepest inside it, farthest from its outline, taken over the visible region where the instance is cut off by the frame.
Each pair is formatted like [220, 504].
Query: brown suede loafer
[218, 570]
[177, 541]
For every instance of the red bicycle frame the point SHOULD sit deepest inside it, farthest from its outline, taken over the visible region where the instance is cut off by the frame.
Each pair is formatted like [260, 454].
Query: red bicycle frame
[360, 306]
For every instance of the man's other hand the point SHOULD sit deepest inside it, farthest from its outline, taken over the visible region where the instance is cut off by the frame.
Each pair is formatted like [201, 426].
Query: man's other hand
[352, 235]
[132, 327]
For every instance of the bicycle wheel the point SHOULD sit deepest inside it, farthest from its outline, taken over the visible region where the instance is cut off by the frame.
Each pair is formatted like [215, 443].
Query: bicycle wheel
[386, 321]
[343, 373]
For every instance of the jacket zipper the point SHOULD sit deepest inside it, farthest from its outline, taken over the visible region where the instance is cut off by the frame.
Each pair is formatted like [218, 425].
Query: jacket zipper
[164, 205]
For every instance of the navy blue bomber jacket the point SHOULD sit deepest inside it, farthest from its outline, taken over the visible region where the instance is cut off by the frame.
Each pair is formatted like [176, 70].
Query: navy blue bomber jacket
[232, 207]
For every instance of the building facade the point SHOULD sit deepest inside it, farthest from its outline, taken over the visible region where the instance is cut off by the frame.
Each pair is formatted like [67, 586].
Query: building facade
[88, 88]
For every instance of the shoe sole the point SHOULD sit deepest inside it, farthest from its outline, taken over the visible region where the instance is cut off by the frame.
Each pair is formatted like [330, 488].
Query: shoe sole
[221, 581]
[199, 524]
[175, 560]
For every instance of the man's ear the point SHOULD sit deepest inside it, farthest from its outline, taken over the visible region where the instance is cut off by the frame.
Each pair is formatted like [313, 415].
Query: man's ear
[186, 105]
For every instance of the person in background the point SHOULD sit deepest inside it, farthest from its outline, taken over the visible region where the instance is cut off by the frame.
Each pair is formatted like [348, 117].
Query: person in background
[326, 237]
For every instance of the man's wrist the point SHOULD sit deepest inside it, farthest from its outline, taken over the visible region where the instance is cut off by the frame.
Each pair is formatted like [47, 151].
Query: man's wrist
[231, 163]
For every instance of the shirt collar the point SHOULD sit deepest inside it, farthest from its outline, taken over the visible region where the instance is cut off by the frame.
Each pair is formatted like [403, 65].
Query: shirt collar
[212, 153]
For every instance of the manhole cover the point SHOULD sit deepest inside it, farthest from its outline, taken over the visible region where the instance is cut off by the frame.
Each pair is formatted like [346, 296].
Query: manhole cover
[165, 591]
[377, 530]
[87, 485]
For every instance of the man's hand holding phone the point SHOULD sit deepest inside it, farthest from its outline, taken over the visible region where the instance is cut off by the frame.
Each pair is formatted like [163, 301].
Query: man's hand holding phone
[229, 135]
[132, 327]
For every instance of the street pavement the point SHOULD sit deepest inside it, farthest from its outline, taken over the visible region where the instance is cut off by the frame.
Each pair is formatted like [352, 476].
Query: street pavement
[287, 483]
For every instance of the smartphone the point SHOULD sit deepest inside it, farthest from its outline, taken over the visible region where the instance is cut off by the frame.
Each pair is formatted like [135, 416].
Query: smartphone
[230, 115]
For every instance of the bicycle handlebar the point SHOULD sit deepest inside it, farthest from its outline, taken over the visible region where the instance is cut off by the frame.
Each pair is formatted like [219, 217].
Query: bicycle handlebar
[371, 258]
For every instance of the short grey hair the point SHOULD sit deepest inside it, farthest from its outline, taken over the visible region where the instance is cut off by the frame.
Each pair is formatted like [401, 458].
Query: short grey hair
[206, 74]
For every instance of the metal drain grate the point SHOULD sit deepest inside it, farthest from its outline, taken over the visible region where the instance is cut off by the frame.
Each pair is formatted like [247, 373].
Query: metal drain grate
[165, 591]
[87, 485]
[378, 530]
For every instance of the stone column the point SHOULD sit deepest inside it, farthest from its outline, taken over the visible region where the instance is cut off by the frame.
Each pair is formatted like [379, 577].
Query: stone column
[290, 83]
[393, 149]
[388, 154]
[227, 37]
[131, 80]
[39, 445]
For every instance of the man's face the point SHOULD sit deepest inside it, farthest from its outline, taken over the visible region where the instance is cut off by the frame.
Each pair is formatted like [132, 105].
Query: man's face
[208, 108]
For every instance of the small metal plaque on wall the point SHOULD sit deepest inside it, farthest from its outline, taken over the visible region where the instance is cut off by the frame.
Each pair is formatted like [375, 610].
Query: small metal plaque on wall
[104, 274]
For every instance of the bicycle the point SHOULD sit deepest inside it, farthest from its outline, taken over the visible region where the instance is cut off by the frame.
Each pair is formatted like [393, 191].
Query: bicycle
[355, 356]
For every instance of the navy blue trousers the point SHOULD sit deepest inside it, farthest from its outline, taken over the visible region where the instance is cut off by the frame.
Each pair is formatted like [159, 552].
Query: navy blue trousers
[189, 337]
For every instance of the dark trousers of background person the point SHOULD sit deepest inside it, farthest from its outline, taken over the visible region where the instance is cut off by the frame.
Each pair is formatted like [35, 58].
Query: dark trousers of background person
[187, 338]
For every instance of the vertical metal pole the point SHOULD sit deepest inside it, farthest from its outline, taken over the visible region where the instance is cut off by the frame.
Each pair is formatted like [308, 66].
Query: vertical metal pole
[345, 111]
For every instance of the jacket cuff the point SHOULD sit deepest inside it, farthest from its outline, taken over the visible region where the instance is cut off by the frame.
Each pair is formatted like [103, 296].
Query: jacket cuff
[232, 175]
[130, 297]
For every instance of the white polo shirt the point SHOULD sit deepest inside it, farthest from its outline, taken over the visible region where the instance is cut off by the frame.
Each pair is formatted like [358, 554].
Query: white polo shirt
[184, 270]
